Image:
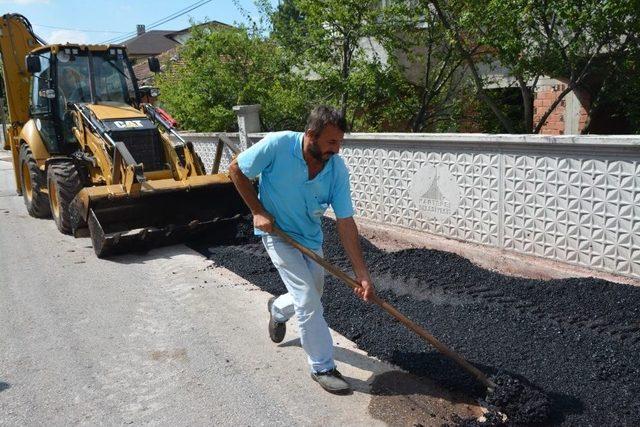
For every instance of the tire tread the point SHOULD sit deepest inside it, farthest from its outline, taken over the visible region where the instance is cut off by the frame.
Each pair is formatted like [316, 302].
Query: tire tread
[68, 183]
[39, 206]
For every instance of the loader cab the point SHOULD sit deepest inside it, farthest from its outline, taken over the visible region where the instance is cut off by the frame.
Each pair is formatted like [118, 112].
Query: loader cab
[76, 74]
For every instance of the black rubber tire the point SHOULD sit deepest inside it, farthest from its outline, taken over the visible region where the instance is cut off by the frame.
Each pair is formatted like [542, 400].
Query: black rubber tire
[64, 182]
[36, 201]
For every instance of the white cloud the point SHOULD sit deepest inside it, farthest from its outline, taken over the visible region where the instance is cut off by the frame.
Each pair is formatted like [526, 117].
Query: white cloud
[24, 1]
[63, 36]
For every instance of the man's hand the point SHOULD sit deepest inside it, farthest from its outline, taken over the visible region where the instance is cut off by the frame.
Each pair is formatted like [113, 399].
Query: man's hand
[365, 291]
[263, 221]
[261, 218]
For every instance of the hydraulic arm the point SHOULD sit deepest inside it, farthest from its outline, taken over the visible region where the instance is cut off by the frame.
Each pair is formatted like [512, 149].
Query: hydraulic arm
[17, 39]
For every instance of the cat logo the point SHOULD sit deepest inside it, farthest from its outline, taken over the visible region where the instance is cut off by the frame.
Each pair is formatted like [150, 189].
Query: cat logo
[128, 124]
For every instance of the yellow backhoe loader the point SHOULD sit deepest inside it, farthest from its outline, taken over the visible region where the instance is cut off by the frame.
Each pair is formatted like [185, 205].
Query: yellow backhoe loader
[87, 152]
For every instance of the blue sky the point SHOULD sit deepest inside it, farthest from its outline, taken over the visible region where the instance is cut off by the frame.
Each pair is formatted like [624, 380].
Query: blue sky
[91, 21]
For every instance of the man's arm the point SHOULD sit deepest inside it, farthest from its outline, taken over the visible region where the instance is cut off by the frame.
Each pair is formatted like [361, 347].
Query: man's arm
[261, 218]
[348, 232]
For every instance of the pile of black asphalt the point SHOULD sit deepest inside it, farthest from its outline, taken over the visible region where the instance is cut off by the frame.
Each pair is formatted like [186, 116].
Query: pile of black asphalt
[576, 339]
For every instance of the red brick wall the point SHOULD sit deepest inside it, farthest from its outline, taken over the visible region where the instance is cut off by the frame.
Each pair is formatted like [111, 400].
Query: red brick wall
[542, 100]
[555, 123]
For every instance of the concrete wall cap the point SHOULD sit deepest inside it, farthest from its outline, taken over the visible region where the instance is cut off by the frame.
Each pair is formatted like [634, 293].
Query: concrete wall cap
[490, 139]
[207, 134]
[469, 138]
[245, 109]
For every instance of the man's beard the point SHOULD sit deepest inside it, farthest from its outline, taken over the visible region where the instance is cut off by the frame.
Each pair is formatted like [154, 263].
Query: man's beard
[317, 154]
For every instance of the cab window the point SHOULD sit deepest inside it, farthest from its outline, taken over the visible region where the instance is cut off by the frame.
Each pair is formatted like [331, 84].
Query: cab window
[73, 79]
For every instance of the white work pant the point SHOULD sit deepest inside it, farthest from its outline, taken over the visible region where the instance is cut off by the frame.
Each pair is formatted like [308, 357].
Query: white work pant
[304, 280]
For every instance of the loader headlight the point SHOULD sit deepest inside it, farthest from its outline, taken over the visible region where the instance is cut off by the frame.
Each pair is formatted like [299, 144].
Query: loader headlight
[63, 56]
[47, 93]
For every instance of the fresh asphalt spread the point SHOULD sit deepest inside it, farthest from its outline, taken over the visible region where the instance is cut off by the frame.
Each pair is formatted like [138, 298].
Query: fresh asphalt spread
[577, 340]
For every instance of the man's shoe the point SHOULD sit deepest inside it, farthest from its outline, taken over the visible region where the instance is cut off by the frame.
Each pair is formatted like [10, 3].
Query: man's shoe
[332, 381]
[277, 330]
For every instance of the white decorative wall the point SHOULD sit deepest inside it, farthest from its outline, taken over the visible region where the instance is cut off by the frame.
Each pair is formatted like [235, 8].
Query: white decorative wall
[567, 198]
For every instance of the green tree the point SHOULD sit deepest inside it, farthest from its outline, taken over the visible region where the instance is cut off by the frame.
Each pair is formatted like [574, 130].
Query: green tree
[220, 68]
[326, 37]
[432, 67]
[379, 97]
[565, 39]
[288, 26]
[343, 48]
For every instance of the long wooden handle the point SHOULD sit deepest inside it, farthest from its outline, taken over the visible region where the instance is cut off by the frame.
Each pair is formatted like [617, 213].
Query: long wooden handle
[391, 310]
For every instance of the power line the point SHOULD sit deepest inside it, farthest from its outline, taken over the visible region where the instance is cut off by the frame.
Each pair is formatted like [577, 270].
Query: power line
[160, 21]
[181, 12]
[78, 29]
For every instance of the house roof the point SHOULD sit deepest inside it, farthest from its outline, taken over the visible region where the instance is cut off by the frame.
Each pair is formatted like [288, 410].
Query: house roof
[142, 72]
[208, 24]
[154, 42]
[151, 43]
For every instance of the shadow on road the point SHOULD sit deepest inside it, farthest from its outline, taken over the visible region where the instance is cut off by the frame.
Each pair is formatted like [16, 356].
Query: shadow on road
[379, 371]
[399, 397]
[141, 248]
[4, 386]
[140, 255]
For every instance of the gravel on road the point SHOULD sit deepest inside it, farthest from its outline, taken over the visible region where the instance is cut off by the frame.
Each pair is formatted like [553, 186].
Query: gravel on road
[577, 339]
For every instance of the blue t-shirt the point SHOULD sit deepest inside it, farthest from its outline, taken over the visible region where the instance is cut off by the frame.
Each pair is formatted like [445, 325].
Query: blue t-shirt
[286, 192]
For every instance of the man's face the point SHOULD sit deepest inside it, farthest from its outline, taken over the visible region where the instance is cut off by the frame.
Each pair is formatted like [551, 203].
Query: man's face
[68, 77]
[325, 145]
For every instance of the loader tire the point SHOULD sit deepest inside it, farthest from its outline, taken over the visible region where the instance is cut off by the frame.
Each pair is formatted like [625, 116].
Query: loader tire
[33, 180]
[64, 182]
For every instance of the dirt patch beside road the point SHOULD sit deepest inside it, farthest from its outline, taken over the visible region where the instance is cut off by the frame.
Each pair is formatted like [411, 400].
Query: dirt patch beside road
[578, 339]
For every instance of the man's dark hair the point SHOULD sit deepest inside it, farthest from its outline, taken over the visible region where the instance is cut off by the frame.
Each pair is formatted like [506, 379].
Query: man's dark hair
[322, 116]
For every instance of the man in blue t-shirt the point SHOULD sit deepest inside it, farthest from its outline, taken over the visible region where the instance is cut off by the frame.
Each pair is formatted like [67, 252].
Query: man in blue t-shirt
[301, 175]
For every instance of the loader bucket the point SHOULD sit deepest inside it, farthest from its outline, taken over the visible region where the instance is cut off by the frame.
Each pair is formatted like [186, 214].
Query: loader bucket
[164, 212]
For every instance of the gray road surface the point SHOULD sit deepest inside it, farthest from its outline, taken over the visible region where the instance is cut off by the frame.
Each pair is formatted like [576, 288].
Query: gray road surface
[162, 338]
